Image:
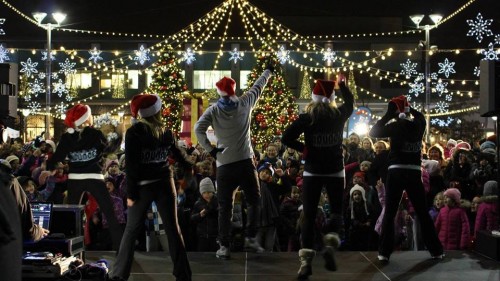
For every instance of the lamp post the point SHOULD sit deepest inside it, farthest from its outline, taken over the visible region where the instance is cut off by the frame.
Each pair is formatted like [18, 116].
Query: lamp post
[417, 19]
[25, 112]
[39, 17]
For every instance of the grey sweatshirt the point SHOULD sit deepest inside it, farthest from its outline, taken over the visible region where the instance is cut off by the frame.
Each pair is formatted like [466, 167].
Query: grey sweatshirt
[232, 128]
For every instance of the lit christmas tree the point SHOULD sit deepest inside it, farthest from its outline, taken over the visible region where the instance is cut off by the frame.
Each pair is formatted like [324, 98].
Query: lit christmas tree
[351, 83]
[276, 108]
[170, 85]
[305, 88]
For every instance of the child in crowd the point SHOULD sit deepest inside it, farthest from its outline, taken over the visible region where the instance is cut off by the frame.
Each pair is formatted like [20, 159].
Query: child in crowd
[205, 215]
[436, 180]
[31, 190]
[452, 224]
[487, 212]
[359, 222]
[238, 221]
[290, 213]
[267, 233]
[118, 208]
[438, 204]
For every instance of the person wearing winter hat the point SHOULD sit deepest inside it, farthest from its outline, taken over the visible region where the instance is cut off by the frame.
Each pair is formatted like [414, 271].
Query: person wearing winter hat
[358, 220]
[322, 125]
[84, 145]
[404, 173]
[205, 216]
[148, 143]
[206, 185]
[230, 119]
[449, 146]
[14, 162]
[452, 223]
[488, 210]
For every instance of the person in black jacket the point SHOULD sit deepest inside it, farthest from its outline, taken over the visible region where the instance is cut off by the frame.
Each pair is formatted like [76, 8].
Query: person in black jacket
[84, 146]
[322, 125]
[404, 173]
[150, 178]
[206, 217]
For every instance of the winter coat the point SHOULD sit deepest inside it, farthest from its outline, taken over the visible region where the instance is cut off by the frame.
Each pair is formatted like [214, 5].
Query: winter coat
[452, 226]
[207, 226]
[487, 214]
[289, 212]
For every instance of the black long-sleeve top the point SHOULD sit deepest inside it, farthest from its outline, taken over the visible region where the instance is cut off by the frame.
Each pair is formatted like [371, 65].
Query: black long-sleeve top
[405, 138]
[323, 139]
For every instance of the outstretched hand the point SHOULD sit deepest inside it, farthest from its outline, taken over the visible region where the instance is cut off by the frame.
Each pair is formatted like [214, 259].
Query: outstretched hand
[270, 67]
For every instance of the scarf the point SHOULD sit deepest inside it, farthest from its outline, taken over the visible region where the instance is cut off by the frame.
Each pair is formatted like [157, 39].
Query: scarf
[226, 104]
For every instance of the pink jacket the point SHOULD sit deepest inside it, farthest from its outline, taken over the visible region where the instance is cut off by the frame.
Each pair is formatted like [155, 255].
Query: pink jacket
[452, 226]
[487, 214]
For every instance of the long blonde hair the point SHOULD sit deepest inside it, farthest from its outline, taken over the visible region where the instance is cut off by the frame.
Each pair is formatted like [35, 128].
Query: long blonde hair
[322, 110]
[155, 124]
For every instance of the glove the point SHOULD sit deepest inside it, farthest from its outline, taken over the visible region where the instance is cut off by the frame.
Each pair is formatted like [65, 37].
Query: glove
[270, 67]
[214, 152]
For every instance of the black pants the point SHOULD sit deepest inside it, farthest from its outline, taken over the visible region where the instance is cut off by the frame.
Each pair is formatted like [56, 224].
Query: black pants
[229, 177]
[163, 193]
[98, 189]
[411, 181]
[311, 191]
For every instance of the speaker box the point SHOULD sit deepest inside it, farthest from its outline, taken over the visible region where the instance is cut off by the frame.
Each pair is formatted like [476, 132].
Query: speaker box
[488, 244]
[67, 219]
[8, 90]
[489, 101]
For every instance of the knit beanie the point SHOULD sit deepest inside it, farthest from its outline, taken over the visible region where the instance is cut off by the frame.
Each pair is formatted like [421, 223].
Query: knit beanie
[490, 188]
[487, 145]
[206, 185]
[367, 163]
[431, 166]
[452, 142]
[359, 188]
[454, 194]
[11, 158]
[360, 174]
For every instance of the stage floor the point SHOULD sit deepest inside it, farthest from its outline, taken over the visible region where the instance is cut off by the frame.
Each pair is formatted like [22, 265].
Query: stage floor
[352, 266]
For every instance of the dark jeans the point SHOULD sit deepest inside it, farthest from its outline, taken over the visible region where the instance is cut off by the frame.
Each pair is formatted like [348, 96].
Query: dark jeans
[411, 181]
[311, 191]
[98, 189]
[163, 193]
[229, 177]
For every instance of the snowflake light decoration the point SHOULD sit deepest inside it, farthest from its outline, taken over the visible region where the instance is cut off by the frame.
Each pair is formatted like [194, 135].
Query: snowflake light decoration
[60, 88]
[36, 87]
[1, 30]
[95, 55]
[188, 56]
[441, 87]
[142, 55]
[54, 75]
[417, 87]
[446, 67]
[442, 107]
[29, 67]
[235, 55]
[409, 68]
[105, 119]
[329, 55]
[3, 54]
[61, 108]
[448, 97]
[34, 107]
[479, 28]
[112, 136]
[67, 67]
[477, 71]
[41, 75]
[44, 56]
[443, 123]
[496, 41]
[283, 55]
[491, 53]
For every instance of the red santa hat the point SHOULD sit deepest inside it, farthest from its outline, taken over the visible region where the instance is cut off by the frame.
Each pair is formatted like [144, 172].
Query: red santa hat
[76, 116]
[323, 91]
[226, 88]
[402, 105]
[145, 105]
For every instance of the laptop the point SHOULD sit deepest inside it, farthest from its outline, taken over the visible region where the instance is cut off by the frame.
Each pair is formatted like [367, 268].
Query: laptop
[42, 213]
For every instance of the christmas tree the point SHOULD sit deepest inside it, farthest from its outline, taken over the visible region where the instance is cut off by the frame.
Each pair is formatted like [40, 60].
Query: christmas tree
[305, 88]
[276, 108]
[170, 85]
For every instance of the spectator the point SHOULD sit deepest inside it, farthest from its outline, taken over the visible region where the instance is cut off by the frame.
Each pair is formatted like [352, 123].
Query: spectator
[452, 224]
[205, 215]
[488, 212]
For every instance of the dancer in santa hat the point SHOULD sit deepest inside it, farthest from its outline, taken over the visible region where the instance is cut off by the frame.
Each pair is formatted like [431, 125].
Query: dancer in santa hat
[230, 118]
[404, 173]
[83, 145]
[322, 125]
[150, 178]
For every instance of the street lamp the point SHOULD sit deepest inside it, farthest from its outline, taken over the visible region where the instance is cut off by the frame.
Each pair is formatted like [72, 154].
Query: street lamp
[39, 17]
[417, 19]
[25, 112]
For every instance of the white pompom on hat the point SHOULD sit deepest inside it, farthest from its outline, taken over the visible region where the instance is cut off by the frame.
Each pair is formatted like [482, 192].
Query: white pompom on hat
[145, 105]
[324, 91]
[402, 105]
[76, 116]
[226, 87]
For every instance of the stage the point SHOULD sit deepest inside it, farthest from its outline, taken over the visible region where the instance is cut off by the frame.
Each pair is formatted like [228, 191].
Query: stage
[352, 266]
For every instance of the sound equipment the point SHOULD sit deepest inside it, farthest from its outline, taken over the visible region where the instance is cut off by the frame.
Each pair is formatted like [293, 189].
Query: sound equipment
[64, 246]
[8, 90]
[489, 99]
[488, 244]
[67, 219]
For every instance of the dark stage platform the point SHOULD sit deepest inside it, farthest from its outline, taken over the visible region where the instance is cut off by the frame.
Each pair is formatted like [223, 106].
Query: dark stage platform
[353, 266]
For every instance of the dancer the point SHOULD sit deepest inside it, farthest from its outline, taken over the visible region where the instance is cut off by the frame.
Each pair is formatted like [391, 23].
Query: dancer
[149, 178]
[83, 145]
[404, 174]
[322, 125]
[230, 119]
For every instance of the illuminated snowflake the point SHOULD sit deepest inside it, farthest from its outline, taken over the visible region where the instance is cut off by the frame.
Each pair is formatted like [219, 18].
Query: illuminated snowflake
[29, 67]
[434, 76]
[329, 55]
[3, 54]
[235, 55]
[477, 71]
[491, 53]
[142, 55]
[417, 87]
[60, 88]
[448, 97]
[441, 87]
[442, 107]
[283, 55]
[95, 55]
[446, 67]
[409, 68]
[443, 123]
[1, 30]
[497, 39]
[69, 98]
[479, 28]
[34, 107]
[41, 75]
[188, 56]
[27, 97]
[54, 75]
[61, 108]
[36, 87]
[44, 56]
[67, 67]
